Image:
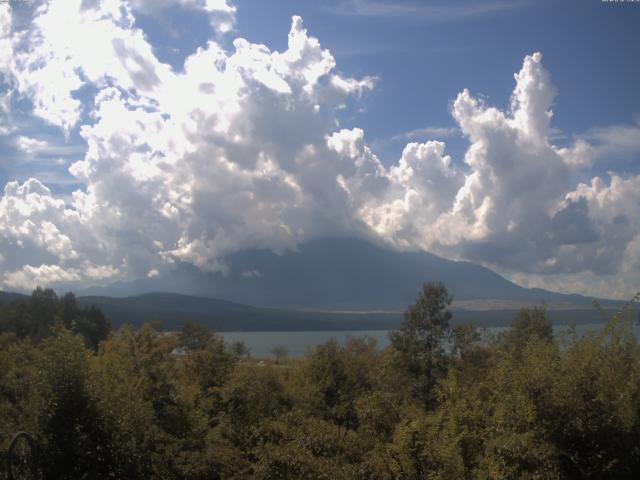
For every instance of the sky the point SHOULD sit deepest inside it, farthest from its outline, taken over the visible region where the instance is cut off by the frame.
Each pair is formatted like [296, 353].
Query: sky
[135, 134]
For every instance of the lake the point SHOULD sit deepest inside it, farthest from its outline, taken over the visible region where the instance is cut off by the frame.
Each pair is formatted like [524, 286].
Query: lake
[299, 343]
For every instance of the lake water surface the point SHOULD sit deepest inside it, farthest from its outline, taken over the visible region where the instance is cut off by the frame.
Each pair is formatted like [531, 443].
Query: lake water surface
[299, 343]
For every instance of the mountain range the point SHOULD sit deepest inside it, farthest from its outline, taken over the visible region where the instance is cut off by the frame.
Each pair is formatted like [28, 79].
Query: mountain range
[336, 274]
[173, 310]
[327, 284]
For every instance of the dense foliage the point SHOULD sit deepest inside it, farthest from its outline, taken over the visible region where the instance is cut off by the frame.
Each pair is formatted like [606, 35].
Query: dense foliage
[438, 403]
[40, 315]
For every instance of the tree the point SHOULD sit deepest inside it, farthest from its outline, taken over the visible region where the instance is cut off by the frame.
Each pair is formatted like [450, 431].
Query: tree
[332, 378]
[248, 397]
[527, 325]
[240, 349]
[92, 325]
[211, 365]
[466, 341]
[419, 340]
[194, 336]
[37, 316]
[68, 419]
[67, 309]
[279, 353]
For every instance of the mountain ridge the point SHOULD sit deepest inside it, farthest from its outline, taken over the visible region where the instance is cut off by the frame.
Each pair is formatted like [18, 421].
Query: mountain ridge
[335, 274]
[172, 310]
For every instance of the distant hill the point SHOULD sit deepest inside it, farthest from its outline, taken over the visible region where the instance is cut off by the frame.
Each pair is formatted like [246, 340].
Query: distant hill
[336, 274]
[173, 310]
[8, 297]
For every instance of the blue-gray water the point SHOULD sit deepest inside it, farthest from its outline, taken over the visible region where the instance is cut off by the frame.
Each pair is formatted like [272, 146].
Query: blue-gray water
[298, 343]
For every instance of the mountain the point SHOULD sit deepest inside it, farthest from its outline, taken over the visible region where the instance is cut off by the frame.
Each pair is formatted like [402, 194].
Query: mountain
[172, 310]
[326, 284]
[336, 274]
[8, 297]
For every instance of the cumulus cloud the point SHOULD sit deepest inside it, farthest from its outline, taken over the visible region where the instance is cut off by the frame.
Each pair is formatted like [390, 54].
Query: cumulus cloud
[243, 148]
[5, 57]
[44, 242]
[612, 209]
[30, 145]
[497, 209]
[221, 13]
[238, 159]
[513, 207]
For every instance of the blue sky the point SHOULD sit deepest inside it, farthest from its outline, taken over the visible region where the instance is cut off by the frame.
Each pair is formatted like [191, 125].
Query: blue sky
[592, 50]
[392, 73]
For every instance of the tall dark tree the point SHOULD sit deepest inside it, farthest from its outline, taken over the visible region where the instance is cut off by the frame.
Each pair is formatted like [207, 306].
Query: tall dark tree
[527, 325]
[92, 325]
[420, 339]
[67, 309]
[69, 422]
[36, 317]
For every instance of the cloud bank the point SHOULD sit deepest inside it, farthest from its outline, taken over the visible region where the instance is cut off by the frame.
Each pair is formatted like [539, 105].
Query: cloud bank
[243, 148]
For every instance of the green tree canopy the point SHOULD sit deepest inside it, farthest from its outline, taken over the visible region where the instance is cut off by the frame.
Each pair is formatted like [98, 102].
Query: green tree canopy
[35, 317]
[420, 339]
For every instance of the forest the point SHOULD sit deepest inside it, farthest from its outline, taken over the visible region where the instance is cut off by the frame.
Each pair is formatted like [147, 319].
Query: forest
[438, 403]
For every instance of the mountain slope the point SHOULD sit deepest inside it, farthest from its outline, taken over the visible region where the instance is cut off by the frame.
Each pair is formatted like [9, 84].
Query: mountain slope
[172, 310]
[334, 274]
[8, 297]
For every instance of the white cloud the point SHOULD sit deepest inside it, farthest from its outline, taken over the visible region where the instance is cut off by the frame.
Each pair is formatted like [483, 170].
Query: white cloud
[73, 43]
[615, 142]
[206, 5]
[581, 154]
[30, 145]
[36, 227]
[251, 274]
[5, 58]
[446, 12]
[244, 149]
[239, 159]
[611, 211]
[221, 13]
[401, 203]
[29, 277]
[515, 177]
[513, 180]
[512, 210]
[587, 283]
[430, 132]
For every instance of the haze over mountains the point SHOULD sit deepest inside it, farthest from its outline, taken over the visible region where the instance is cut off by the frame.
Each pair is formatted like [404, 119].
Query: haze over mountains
[336, 274]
